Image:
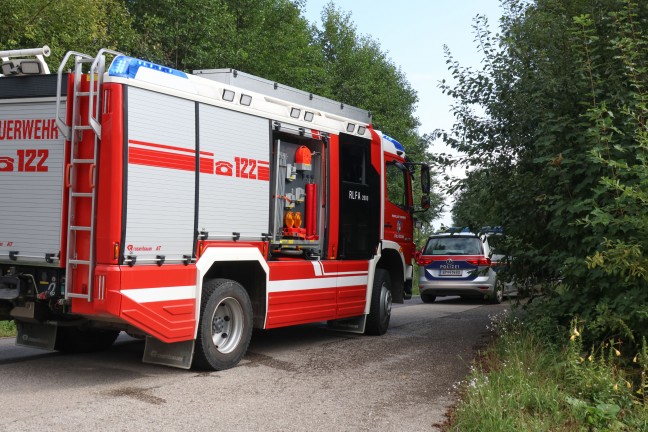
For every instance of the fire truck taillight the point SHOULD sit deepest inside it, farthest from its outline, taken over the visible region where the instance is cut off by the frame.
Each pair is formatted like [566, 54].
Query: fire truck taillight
[116, 251]
[201, 249]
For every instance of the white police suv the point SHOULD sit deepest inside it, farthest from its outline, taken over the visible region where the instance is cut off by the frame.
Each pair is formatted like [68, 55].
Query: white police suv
[457, 263]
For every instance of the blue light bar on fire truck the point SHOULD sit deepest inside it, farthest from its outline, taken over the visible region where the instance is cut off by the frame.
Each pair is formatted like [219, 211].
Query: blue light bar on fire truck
[127, 67]
[152, 73]
[399, 147]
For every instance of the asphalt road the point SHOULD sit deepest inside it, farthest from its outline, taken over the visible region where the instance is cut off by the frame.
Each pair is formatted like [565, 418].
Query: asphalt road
[304, 378]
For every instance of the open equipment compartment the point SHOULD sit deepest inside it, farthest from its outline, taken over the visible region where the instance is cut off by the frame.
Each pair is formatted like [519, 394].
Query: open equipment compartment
[297, 211]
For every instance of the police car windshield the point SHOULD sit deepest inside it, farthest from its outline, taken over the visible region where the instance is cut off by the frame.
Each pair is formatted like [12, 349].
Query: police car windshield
[453, 245]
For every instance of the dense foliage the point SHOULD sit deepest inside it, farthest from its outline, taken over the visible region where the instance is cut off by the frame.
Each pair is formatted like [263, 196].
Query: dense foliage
[558, 148]
[268, 38]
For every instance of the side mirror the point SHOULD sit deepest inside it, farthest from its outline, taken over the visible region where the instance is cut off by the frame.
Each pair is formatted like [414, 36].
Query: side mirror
[425, 202]
[425, 180]
[417, 255]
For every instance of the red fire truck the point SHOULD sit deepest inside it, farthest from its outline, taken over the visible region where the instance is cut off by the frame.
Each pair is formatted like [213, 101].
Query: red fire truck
[189, 209]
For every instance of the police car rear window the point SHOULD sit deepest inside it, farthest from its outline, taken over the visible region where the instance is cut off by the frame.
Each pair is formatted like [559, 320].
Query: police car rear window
[453, 246]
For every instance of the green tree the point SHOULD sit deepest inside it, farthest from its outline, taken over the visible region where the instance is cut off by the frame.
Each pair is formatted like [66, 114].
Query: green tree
[275, 41]
[269, 38]
[64, 25]
[562, 137]
[469, 209]
[183, 34]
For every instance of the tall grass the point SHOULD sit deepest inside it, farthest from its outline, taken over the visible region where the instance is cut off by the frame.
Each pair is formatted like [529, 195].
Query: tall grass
[521, 383]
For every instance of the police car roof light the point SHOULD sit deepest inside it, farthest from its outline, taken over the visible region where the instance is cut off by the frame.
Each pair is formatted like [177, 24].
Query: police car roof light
[492, 230]
[455, 230]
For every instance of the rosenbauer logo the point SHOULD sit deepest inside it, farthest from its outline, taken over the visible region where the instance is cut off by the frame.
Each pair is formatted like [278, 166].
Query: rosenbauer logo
[130, 248]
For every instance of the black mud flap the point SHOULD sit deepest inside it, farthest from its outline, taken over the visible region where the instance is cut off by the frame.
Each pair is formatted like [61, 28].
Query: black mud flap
[349, 325]
[36, 335]
[179, 354]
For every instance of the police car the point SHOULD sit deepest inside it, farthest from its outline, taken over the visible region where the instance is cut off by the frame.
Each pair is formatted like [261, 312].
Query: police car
[457, 263]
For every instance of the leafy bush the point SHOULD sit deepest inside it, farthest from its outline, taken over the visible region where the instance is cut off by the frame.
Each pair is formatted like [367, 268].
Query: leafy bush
[558, 153]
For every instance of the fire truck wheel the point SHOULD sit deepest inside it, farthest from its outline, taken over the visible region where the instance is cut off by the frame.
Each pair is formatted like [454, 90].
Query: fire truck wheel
[78, 340]
[381, 304]
[225, 326]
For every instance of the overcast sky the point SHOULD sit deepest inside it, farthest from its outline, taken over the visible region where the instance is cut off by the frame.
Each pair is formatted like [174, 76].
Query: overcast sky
[412, 33]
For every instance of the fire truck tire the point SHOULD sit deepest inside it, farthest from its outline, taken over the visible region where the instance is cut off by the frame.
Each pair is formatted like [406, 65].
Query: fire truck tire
[225, 326]
[78, 340]
[381, 304]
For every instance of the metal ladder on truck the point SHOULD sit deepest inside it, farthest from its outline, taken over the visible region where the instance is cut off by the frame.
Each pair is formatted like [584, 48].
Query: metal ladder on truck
[74, 134]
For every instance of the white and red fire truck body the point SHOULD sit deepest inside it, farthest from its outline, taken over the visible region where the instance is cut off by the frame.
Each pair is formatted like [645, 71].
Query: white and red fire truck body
[157, 183]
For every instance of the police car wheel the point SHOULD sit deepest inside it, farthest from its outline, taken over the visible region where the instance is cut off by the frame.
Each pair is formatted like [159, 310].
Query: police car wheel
[498, 293]
[427, 298]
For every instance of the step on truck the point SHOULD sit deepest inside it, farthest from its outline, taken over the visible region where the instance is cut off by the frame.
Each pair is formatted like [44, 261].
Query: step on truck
[188, 209]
